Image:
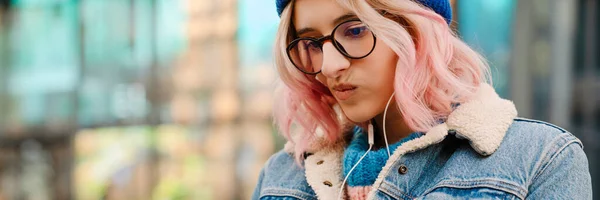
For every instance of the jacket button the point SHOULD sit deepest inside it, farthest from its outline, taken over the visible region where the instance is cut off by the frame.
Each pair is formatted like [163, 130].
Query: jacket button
[402, 169]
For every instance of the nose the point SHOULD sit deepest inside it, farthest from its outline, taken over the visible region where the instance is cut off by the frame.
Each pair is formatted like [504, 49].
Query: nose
[334, 63]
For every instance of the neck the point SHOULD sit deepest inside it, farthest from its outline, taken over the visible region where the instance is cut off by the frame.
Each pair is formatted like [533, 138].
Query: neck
[396, 129]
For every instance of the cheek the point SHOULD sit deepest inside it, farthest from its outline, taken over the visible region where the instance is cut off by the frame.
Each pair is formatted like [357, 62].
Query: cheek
[377, 73]
[382, 67]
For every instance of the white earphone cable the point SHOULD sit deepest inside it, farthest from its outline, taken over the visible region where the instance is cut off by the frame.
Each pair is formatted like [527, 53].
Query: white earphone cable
[371, 142]
[387, 146]
[350, 172]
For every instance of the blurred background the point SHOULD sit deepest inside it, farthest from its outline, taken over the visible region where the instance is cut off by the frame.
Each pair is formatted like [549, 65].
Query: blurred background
[171, 99]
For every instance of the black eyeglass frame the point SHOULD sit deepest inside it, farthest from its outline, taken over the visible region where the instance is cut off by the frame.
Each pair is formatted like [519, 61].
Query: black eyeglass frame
[321, 41]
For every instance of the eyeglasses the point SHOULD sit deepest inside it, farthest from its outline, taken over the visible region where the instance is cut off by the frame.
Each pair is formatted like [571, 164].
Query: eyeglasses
[352, 39]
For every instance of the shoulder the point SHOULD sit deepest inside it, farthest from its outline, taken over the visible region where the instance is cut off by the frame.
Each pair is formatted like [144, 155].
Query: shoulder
[551, 157]
[544, 144]
[538, 136]
[528, 141]
[535, 142]
[283, 177]
[529, 151]
[533, 148]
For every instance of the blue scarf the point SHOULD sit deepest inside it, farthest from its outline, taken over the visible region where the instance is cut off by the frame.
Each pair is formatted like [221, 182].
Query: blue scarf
[367, 171]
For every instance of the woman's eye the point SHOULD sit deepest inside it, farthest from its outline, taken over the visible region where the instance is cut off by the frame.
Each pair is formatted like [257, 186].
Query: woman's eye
[356, 31]
[313, 46]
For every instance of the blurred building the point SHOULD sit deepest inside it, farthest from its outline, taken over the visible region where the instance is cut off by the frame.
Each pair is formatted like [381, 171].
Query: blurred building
[137, 99]
[171, 99]
[544, 56]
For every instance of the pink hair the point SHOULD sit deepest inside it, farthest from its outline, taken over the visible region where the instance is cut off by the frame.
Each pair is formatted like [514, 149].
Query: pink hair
[435, 70]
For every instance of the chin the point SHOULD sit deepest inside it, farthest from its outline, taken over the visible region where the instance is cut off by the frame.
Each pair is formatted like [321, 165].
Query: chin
[357, 115]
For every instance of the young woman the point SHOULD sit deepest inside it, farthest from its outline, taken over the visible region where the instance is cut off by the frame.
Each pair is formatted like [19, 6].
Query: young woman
[380, 100]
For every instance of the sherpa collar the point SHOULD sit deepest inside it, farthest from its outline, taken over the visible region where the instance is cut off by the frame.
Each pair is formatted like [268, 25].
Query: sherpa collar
[483, 121]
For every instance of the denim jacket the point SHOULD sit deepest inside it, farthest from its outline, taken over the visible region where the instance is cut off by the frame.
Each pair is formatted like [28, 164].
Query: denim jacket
[482, 151]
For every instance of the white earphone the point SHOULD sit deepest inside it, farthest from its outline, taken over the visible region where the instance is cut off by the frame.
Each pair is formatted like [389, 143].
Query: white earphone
[370, 133]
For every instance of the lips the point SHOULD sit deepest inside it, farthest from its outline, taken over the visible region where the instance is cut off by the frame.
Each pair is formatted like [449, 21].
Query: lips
[343, 91]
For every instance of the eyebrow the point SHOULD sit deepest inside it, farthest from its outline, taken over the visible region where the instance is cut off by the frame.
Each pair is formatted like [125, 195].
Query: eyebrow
[335, 22]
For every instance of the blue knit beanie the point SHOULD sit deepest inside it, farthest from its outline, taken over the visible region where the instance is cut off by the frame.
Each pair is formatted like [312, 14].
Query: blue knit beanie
[441, 7]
